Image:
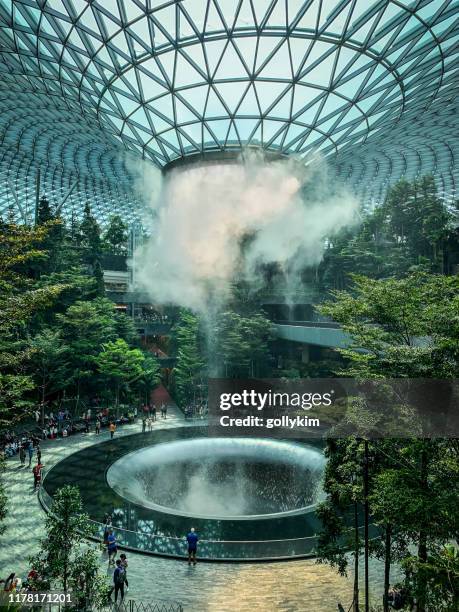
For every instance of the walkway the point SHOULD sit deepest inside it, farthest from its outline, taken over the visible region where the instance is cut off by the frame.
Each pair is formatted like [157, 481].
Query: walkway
[293, 586]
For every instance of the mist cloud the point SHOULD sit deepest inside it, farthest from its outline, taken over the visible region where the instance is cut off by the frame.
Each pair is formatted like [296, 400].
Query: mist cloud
[214, 224]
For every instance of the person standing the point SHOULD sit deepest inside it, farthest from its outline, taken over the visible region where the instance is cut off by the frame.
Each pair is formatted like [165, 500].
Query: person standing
[112, 430]
[37, 475]
[118, 580]
[38, 454]
[112, 548]
[153, 412]
[144, 425]
[124, 565]
[30, 451]
[97, 426]
[192, 540]
[22, 454]
[150, 424]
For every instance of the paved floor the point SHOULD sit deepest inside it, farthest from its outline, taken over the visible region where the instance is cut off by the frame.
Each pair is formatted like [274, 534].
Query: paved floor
[293, 586]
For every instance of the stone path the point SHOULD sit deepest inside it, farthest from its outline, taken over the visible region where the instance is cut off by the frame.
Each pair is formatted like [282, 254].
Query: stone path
[291, 586]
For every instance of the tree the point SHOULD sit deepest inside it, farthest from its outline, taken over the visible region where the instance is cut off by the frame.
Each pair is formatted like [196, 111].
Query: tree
[406, 328]
[121, 366]
[85, 327]
[115, 236]
[21, 301]
[149, 377]
[98, 275]
[412, 229]
[240, 343]
[387, 318]
[46, 353]
[89, 236]
[190, 365]
[339, 513]
[61, 559]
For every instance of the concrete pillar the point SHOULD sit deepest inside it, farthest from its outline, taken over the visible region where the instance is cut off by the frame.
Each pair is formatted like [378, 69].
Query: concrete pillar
[305, 354]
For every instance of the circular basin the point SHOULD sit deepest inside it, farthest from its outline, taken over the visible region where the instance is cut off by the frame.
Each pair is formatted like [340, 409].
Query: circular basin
[221, 478]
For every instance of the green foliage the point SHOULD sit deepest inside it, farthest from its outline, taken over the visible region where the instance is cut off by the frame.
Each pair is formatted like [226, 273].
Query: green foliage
[241, 344]
[149, 377]
[47, 358]
[406, 327]
[115, 236]
[190, 367]
[120, 365]
[412, 229]
[65, 560]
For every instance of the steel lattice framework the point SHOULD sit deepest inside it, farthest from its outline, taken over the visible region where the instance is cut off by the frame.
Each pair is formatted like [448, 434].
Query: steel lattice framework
[371, 84]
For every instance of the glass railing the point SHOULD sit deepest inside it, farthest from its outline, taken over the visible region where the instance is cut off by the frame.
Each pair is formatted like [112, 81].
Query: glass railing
[170, 546]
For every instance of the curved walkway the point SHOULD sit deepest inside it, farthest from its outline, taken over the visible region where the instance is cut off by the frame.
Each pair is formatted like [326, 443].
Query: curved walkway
[291, 586]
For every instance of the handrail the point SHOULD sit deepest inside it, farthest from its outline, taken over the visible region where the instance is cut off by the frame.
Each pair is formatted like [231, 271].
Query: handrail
[43, 493]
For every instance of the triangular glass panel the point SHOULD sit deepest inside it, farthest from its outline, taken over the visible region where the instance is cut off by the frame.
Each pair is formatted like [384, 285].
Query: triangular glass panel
[213, 21]
[185, 74]
[268, 92]
[193, 131]
[197, 12]
[309, 115]
[282, 108]
[171, 139]
[220, 128]
[308, 19]
[185, 26]
[298, 49]
[233, 137]
[245, 127]
[182, 113]
[214, 50]
[166, 17]
[270, 129]
[304, 95]
[127, 104]
[88, 21]
[265, 48]
[322, 73]
[247, 46]
[245, 17]
[350, 88]
[140, 117]
[278, 16]
[232, 93]
[279, 65]
[230, 66]
[208, 139]
[260, 7]
[214, 107]
[164, 106]
[196, 55]
[196, 97]
[249, 104]
[167, 61]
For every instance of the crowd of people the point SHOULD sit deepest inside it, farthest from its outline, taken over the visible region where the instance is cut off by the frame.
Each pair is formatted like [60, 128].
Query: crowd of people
[196, 410]
[149, 415]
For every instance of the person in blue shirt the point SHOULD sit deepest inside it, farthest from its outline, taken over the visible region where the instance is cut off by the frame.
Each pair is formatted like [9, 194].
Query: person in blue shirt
[112, 548]
[119, 578]
[192, 539]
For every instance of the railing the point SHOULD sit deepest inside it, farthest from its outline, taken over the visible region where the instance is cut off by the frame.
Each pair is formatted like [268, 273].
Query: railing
[324, 324]
[127, 605]
[215, 550]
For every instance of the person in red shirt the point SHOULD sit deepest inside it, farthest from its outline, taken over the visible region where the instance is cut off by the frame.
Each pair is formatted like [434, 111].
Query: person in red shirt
[37, 475]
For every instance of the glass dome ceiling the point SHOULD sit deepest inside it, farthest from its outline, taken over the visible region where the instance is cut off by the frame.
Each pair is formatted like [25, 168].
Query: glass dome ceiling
[370, 84]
